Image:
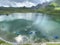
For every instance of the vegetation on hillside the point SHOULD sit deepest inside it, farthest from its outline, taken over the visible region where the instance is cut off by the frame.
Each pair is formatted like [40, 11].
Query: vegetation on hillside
[52, 8]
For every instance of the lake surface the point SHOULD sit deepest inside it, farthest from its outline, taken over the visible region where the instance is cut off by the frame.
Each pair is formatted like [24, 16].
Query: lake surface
[29, 27]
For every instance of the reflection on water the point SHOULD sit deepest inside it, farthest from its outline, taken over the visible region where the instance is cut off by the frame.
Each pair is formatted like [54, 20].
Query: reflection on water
[29, 27]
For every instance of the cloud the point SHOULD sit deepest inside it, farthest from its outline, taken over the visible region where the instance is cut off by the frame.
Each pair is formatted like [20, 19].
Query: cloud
[21, 3]
[27, 4]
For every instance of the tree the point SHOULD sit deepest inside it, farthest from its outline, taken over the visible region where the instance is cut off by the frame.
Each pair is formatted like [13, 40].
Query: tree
[51, 6]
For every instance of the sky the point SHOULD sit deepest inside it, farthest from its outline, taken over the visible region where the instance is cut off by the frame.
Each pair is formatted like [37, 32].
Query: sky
[21, 3]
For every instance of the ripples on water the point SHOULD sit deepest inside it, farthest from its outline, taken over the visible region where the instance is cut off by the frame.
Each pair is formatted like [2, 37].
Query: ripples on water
[29, 27]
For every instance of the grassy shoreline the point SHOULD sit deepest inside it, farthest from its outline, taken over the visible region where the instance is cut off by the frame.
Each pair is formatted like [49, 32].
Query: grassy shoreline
[9, 10]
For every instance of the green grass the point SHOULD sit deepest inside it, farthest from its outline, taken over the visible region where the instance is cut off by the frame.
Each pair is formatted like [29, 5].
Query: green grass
[4, 43]
[26, 44]
[53, 44]
[58, 8]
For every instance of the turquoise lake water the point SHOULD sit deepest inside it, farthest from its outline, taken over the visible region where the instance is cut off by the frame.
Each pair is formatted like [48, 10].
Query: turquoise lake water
[29, 27]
